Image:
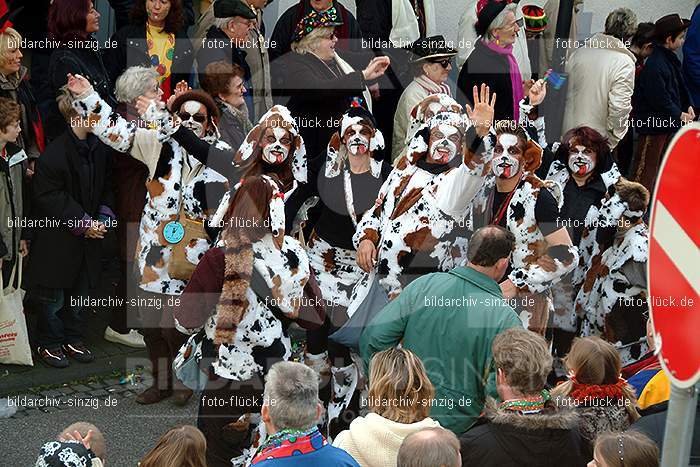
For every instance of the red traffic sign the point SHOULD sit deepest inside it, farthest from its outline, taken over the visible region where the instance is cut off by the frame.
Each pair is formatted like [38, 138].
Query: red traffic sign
[673, 268]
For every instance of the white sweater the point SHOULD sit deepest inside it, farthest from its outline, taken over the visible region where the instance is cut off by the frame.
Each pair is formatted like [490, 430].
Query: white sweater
[374, 441]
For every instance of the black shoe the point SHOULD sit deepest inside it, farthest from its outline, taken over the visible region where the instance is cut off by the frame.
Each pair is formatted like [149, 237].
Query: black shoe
[79, 352]
[53, 357]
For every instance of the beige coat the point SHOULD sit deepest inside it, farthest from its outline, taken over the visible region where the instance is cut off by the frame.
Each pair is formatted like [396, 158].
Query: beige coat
[601, 83]
[417, 90]
[374, 441]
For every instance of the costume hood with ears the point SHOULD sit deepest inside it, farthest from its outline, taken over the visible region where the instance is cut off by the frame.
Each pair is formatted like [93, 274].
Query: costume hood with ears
[337, 152]
[277, 218]
[532, 156]
[419, 145]
[429, 107]
[277, 117]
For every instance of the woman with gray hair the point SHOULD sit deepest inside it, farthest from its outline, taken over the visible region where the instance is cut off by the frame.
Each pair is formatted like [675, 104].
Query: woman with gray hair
[290, 411]
[129, 176]
[320, 84]
[492, 62]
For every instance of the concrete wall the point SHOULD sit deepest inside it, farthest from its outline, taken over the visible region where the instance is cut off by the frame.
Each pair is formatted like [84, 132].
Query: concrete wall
[591, 18]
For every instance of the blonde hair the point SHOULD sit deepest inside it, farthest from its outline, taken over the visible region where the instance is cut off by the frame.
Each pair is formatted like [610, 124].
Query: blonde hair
[181, 446]
[9, 39]
[64, 100]
[310, 42]
[524, 358]
[97, 442]
[595, 362]
[399, 388]
[628, 448]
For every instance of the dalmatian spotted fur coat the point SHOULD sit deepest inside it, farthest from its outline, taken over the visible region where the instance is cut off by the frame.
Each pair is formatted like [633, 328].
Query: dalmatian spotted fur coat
[420, 212]
[611, 306]
[285, 271]
[176, 181]
[531, 279]
[564, 292]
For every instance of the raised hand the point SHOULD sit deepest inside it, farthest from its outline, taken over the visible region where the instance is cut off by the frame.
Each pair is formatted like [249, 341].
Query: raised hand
[537, 92]
[376, 68]
[481, 115]
[78, 85]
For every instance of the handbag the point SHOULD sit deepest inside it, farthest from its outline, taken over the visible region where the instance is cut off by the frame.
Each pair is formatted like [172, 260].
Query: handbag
[14, 339]
[349, 333]
[186, 366]
[179, 234]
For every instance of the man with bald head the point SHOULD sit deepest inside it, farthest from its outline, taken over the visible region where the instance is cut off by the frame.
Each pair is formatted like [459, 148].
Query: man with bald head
[433, 447]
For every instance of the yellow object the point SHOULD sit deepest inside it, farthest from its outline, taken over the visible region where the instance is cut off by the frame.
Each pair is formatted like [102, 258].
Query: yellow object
[161, 48]
[657, 390]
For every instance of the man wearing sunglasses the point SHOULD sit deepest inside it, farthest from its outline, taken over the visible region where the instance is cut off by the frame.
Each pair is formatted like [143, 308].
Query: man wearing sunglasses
[431, 60]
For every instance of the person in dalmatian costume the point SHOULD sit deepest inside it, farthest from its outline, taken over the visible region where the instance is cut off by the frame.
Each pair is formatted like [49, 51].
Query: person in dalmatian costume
[180, 188]
[585, 175]
[238, 305]
[347, 185]
[515, 198]
[417, 224]
[274, 147]
[612, 300]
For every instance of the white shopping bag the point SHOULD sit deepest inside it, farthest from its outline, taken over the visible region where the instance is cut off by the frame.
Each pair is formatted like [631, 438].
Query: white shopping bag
[14, 338]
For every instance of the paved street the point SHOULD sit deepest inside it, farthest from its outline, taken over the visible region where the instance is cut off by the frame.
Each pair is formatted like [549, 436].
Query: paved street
[130, 429]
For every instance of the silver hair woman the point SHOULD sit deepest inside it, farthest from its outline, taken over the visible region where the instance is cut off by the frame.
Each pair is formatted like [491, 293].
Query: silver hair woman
[137, 81]
[493, 62]
[502, 23]
[621, 23]
[312, 42]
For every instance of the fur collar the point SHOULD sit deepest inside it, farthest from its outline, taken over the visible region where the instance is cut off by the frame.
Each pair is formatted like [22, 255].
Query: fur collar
[551, 418]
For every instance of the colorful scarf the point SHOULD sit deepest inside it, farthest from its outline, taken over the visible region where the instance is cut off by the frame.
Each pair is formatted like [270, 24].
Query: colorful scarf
[526, 405]
[288, 443]
[516, 79]
[582, 394]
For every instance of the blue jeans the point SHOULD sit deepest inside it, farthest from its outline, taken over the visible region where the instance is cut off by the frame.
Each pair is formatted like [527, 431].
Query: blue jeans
[58, 313]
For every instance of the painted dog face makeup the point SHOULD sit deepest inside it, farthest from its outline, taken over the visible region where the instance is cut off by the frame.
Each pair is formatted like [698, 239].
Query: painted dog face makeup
[506, 156]
[444, 144]
[276, 145]
[582, 160]
[194, 116]
[356, 137]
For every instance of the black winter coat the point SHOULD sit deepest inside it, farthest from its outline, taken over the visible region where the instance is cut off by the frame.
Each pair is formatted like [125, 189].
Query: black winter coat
[503, 438]
[318, 97]
[132, 50]
[660, 94]
[374, 17]
[486, 66]
[67, 186]
[83, 61]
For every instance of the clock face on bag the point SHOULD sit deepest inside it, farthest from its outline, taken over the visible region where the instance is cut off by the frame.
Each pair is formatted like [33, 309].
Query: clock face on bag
[173, 232]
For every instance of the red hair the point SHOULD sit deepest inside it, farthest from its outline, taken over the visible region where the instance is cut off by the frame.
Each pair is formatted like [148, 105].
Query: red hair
[68, 19]
[590, 138]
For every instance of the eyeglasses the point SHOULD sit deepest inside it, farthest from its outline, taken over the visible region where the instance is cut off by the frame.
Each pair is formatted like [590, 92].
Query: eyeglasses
[444, 63]
[198, 117]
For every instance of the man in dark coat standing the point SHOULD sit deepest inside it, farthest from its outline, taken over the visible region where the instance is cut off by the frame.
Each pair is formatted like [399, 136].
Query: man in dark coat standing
[224, 41]
[528, 426]
[71, 214]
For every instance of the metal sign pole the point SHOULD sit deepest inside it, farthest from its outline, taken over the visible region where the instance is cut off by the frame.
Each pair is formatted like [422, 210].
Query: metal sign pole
[680, 422]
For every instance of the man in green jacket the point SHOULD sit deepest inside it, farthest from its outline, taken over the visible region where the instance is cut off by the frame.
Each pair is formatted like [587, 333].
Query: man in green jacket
[449, 320]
